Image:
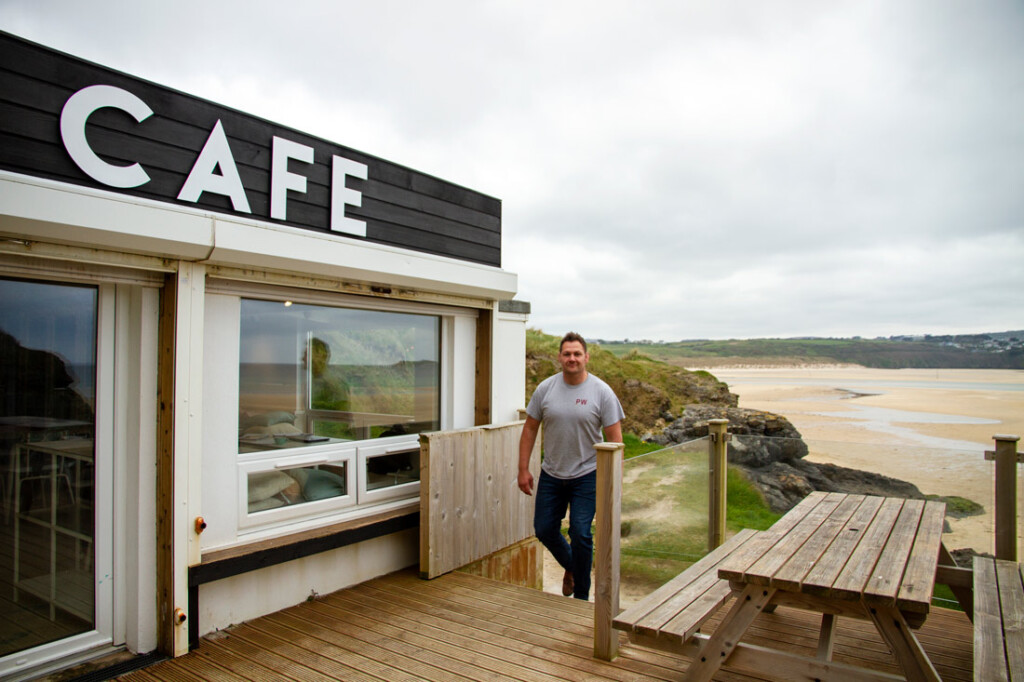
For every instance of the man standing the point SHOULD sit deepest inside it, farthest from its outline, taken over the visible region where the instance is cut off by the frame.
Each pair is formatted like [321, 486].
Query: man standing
[574, 406]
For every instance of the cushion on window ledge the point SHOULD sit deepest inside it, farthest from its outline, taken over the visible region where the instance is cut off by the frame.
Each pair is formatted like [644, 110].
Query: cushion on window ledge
[269, 503]
[318, 484]
[267, 419]
[279, 429]
[266, 484]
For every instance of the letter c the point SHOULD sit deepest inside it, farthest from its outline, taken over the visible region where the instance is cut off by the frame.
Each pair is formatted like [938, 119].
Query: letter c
[75, 115]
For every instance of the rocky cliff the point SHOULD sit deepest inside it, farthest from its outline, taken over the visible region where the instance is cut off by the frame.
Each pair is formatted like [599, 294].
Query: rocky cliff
[770, 452]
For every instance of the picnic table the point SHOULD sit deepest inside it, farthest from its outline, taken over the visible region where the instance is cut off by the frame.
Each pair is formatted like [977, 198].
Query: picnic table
[842, 556]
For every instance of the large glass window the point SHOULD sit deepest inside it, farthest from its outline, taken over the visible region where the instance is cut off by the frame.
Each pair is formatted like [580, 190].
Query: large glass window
[47, 455]
[317, 383]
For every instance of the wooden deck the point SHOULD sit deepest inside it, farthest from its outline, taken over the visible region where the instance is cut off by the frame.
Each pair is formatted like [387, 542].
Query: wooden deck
[462, 627]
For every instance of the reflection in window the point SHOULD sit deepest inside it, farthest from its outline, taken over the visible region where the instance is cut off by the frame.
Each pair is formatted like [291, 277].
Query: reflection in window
[313, 374]
[383, 471]
[47, 422]
[273, 489]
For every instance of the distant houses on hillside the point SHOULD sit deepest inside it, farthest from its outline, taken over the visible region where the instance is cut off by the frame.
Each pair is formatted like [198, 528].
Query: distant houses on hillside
[987, 343]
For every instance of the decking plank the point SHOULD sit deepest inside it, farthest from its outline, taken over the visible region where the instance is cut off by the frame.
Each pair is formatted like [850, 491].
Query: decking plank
[479, 619]
[432, 636]
[557, 634]
[236, 643]
[563, 615]
[320, 648]
[201, 668]
[551, 659]
[237, 665]
[392, 655]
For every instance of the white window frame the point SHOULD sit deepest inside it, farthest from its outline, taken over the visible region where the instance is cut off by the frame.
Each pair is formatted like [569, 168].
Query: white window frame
[378, 448]
[355, 453]
[261, 462]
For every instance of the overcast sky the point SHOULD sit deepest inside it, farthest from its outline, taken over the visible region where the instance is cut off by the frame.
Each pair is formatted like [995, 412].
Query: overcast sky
[669, 170]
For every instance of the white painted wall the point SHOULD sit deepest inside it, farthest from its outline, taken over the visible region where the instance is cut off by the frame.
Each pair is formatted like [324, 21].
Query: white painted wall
[135, 618]
[220, 426]
[509, 367]
[257, 593]
[463, 358]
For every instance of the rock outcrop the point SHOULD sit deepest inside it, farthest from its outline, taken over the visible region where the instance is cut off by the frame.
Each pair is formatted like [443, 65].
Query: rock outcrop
[770, 452]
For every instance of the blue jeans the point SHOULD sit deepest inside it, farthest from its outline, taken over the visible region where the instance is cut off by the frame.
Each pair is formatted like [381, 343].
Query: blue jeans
[554, 496]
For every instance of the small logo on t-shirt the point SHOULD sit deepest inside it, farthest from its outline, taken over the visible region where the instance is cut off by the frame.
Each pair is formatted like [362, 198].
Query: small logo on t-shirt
[581, 401]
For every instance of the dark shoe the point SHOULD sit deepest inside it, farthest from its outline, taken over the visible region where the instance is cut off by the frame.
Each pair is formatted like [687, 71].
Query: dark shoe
[567, 584]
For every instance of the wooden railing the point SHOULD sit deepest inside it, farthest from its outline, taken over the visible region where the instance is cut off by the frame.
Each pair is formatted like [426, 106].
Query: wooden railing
[1006, 458]
[470, 502]
[607, 531]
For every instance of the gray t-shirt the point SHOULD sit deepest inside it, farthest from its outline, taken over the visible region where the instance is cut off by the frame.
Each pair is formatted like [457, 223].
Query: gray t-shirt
[573, 417]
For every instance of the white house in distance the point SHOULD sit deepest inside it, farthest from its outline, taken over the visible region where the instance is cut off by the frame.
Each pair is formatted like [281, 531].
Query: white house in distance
[219, 341]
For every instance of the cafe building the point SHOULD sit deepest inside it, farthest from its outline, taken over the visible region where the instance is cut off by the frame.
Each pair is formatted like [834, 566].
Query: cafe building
[220, 339]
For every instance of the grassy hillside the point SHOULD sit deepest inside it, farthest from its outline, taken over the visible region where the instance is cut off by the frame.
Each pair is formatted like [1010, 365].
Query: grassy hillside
[997, 351]
[646, 387]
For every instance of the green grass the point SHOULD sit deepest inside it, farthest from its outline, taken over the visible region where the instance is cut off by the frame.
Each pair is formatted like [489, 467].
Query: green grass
[944, 597]
[636, 447]
[746, 507]
[665, 512]
[958, 507]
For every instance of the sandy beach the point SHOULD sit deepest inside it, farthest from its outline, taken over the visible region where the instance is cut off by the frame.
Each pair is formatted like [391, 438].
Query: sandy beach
[928, 427]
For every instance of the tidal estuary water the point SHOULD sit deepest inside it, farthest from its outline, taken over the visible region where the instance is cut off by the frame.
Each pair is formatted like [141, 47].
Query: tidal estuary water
[928, 427]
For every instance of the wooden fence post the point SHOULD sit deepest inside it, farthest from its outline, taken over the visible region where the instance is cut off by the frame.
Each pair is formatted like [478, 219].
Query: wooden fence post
[1006, 458]
[606, 544]
[717, 440]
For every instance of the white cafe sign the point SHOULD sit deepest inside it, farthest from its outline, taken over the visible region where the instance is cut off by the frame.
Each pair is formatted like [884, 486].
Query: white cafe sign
[214, 169]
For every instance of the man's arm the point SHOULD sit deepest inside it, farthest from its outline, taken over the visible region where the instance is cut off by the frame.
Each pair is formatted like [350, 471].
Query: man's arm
[526, 443]
[613, 433]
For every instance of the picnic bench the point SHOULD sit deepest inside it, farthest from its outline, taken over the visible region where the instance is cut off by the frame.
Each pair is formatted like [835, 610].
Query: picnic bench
[838, 555]
[998, 620]
[672, 614]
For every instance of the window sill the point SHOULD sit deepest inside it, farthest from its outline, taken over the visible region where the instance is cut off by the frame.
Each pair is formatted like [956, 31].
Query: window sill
[235, 560]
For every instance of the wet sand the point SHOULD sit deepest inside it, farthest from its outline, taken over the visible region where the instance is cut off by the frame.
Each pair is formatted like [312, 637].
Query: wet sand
[928, 427]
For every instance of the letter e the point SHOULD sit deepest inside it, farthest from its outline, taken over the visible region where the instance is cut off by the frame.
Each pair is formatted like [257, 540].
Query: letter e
[341, 195]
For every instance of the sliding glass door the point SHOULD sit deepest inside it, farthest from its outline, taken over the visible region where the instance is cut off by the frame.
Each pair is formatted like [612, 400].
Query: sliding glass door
[48, 362]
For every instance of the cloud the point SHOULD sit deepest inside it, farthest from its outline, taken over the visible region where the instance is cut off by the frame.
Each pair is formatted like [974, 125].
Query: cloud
[669, 169]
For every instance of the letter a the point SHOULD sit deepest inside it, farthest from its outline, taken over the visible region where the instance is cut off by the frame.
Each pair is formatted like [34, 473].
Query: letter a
[216, 152]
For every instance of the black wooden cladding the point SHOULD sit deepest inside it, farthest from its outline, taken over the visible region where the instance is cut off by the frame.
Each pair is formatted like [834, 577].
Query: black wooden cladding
[401, 207]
